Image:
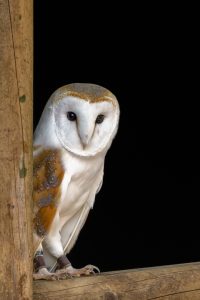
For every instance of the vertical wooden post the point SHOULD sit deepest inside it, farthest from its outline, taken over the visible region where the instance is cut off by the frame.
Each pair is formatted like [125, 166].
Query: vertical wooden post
[15, 149]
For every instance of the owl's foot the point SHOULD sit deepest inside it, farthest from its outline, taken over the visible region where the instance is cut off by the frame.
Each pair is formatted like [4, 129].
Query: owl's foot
[65, 267]
[73, 272]
[44, 274]
[41, 271]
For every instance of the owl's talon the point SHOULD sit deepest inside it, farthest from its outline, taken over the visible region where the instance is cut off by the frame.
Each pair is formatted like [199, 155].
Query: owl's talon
[44, 274]
[72, 272]
[92, 269]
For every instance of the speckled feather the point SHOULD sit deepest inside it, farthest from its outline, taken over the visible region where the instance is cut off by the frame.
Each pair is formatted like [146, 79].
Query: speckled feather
[47, 177]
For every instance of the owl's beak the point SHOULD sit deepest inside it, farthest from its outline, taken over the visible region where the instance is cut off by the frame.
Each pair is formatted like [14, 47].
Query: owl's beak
[85, 141]
[85, 132]
[85, 138]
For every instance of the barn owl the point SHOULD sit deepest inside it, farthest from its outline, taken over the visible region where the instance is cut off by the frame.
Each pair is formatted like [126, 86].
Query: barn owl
[71, 140]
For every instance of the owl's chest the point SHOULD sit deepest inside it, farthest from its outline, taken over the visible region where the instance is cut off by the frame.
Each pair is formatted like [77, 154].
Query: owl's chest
[82, 176]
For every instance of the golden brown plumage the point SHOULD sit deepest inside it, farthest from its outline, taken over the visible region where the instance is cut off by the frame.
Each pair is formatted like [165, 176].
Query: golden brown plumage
[47, 177]
[89, 92]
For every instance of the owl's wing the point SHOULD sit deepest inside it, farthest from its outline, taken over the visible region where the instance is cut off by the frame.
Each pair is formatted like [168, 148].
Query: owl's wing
[72, 228]
[47, 177]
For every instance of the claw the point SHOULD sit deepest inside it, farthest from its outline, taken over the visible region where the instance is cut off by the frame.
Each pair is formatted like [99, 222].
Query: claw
[37, 276]
[71, 272]
[62, 274]
[93, 268]
[44, 274]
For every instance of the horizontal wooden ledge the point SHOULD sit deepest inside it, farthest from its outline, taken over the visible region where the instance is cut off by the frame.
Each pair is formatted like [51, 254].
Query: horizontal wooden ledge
[174, 282]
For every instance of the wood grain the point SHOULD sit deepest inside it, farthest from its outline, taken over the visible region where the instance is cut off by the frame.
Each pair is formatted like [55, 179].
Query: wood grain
[15, 149]
[178, 282]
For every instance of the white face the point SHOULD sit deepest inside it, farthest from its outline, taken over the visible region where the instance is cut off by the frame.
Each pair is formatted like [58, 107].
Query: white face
[85, 128]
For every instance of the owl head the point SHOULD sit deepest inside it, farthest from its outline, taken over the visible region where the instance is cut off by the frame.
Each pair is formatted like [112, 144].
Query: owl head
[82, 118]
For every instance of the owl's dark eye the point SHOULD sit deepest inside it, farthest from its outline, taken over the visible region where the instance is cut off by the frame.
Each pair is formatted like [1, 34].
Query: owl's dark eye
[100, 119]
[71, 116]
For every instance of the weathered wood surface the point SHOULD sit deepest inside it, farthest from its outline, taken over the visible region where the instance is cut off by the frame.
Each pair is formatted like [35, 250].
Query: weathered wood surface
[15, 149]
[178, 282]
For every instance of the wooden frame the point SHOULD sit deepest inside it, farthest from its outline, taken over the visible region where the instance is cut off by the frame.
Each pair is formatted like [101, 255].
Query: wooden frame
[16, 148]
[167, 283]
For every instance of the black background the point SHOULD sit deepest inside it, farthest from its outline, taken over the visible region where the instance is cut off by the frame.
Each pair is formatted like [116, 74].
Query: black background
[147, 211]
